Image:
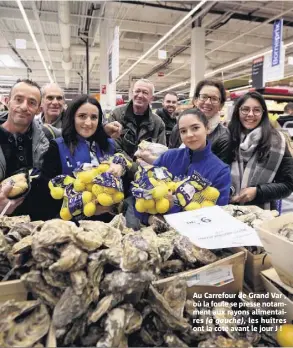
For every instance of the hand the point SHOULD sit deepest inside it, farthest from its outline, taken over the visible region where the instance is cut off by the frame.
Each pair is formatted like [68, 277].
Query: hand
[102, 210]
[113, 129]
[170, 198]
[246, 195]
[146, 156]
[14, 203]
[116, 169]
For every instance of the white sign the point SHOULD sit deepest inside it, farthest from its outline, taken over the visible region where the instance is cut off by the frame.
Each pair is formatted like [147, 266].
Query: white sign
[162, 54]
[216, 276]
[213, 228]
[273, 73]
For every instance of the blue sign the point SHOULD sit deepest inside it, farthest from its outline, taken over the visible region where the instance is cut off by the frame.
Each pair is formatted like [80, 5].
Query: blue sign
[277, 41]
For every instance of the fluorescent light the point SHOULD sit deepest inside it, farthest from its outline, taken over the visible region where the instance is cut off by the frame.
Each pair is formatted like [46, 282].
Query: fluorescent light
[7, 61]
[34, 38]
[189, 14]
[173, 86]
[239, 88]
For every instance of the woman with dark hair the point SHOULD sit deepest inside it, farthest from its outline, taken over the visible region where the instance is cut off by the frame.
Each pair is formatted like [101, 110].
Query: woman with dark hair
[262, 167]
[83, 141]
[209, 97]
[196, 156]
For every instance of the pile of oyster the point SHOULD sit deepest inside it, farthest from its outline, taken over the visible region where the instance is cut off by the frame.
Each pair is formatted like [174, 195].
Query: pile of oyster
[287, 231]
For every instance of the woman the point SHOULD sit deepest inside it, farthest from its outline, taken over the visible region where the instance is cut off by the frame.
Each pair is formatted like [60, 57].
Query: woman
[83, 141]
[209, 97]
[262, 168]
[196, 156]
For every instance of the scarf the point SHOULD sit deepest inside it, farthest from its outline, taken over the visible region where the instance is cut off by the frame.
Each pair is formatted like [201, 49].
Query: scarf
[247, 171]
[214, 122]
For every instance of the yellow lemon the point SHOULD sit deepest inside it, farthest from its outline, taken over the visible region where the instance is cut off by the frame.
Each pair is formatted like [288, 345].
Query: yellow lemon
[285, 335]
[68, 180]
[207, 204]
[57, 192]
[153, 181]
[65, 214]
[171, 186]
[149, 204]
[196, 185]
[89, 187]
[78, 185]
[162, 205]
[177, 184]
[110, 190]
[139, 205]
[150, 174]
[86, 177]
[102, 168]
[105, 200]
[89, 209]
[210, 193]
[97, 189]
[181, 199]
[160, 191]
[152, 211]
[118, 197]
[197, 197]
[192, 206]
[50, 185]
[87, 197]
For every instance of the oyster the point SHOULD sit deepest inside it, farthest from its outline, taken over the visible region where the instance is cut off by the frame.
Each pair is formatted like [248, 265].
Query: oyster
[23, 245]
[133, 320]
[133, 259]
[287, 231]
[104, 305]
[223, 314]
[175, 295]
[92, 336]
[70, 256]
[222, 342]
[174, 341]
[79, 281]
[9, 222]
[118, 222]
[88, 240]
[56, 279]
[172, 266]
[159, 225]
[77, 330]
[150, 336]
[43, 257]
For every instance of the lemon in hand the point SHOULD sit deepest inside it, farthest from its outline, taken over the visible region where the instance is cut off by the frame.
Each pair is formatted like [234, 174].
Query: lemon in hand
[110, 190]
[65, 214]
[85, 177]
[205, 204]
[57, 192]
[192, 206]
[105, 200]
[97, 189]
[78, 185]
[118, 197]
[285, 335]
[149, 204]
[139, 205]
[87, 197]
[162, 205]
[89, 209]
[159, 191]
[210, 193]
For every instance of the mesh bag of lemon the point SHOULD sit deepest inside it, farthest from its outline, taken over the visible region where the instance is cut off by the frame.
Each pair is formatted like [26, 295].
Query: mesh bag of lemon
[154, 148]
[195, 192]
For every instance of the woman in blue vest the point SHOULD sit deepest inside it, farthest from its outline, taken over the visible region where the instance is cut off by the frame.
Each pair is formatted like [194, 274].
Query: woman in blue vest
[196, 156]
[83, 141]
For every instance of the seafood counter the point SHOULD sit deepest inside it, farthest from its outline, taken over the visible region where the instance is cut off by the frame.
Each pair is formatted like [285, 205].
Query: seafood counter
[96, 285]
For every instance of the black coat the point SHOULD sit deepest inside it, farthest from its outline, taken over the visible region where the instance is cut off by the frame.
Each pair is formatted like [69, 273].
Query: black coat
[220, 139]
[168, 120]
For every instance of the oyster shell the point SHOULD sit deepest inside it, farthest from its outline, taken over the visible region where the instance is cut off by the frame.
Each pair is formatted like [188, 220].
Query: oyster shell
[88, 240]
[175, 295]
[23, 245]
[222, 313]
[172, 266]
[222, 342]
[118, 222]
[71, 259]
[79, 281]
[56, 279]
[104, 305]
[287, 231]
[9, 222]
[174, 341]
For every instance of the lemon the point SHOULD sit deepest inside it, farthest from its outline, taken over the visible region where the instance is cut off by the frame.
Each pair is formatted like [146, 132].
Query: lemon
[192, 206]
[85, 177]
[105, 200]
[207, 204]
[68, 180]
[150, 174]
[149, 204]
[87, 197]
[210, 193]
[153, 181]
[97, 189]
[285, 335]
[162, 205]
[102, 168]
[89, 187]
[177, 184]
[181, 199]
[110, 190]
[57, 192]
[50, 185]
[139, 205]
[118, 197]
[172, 186]
[89, 209]
[78, 185]
[196, 185]
[65, 214]
[152, 211]
[160, 191]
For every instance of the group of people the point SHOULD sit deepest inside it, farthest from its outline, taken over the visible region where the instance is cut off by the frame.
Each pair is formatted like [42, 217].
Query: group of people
[248, 162]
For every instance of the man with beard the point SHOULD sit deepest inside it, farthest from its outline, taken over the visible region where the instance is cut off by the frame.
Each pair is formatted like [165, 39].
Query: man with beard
[166, 113]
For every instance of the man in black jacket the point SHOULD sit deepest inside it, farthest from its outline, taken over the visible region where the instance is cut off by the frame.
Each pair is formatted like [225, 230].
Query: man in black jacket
[166, 113]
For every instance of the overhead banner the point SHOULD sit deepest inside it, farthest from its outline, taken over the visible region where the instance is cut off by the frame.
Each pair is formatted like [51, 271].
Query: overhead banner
[257, 73]
[277, 42]
[113, 57]
[277, 72]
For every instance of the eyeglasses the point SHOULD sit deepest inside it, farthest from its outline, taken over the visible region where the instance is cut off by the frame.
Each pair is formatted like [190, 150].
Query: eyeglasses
[204, 97]
[245, 110]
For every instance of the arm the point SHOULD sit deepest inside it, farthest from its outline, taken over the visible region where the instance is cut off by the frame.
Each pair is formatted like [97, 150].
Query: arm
[174, 140]
[223, 184]
[162, 134]
[222, 148]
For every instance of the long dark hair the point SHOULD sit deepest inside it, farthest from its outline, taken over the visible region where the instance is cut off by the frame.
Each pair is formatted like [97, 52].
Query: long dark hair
[69, 132]
[195, 112]
[235, 127]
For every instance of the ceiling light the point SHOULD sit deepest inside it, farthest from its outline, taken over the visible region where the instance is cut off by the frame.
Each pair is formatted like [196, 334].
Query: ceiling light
[7, 61]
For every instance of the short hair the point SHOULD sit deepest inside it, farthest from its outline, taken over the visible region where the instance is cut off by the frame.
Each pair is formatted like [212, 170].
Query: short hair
[288, 107]
[148, 82]
[196, 112]
[171, 93]
[215, 83]
[50, 84]
[28, 82]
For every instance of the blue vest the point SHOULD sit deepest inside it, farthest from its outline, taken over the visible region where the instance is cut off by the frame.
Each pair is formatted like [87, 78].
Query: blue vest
[81, 154]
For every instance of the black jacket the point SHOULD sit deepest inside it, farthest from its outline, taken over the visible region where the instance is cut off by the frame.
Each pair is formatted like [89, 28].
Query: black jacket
[168, 120]
[220, 139]
[285, 118]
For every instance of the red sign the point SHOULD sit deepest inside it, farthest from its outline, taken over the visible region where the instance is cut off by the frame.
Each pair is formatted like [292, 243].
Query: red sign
[104, 89]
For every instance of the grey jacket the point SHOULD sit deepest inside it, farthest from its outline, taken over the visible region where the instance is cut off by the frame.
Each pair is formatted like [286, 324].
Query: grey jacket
[40, 145]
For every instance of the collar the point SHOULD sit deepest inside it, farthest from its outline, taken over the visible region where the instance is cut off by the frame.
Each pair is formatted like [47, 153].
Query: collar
[53, 123]
[199, 154]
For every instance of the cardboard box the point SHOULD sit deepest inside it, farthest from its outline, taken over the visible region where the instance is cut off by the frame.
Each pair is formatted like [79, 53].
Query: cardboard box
[279, 248]
[15, 290]
[235, 263]
[268, 277]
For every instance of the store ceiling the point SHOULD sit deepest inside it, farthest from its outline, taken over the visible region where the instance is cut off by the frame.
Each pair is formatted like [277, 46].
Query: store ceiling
[235, 30]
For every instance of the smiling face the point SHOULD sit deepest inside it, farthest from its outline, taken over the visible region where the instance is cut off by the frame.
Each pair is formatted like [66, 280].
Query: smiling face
[86, 120]
[209, 101]
[170, 103]
[193, 132]
[250, 113]
[53, 101]
[142, 96]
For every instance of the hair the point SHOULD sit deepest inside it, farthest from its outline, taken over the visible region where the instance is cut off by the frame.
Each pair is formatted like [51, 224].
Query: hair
[288, 107]
[171, 93]
[215, 83]
[28, 82]
[47, 85]
[68, 125]
[148, 82]
[235, 127]
[196, 112]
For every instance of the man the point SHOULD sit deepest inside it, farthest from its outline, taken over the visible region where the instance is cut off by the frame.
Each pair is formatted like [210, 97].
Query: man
[22, 141]
[288, 115]
[166, 113]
